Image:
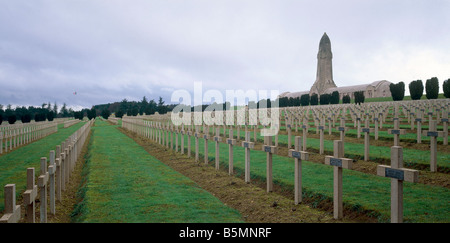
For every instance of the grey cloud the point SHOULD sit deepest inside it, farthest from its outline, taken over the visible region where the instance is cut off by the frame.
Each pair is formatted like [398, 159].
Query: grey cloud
[110, 50]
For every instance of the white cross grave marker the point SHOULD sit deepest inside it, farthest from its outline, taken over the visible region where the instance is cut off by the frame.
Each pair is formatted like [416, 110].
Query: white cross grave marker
[217, 139]
[398, 174]
[12, 211]
[270, 150]
[29, 196]
[299, 156]
[206, 137]
[247, 146]
[396, 132]
[42, 183]
[366, 130]
[230, 142]
[338, 162]
[433, 134]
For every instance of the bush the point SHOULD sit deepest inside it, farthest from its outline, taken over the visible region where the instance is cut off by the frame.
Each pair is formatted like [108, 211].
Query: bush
[304, 100]
[445, 87]
[334, 99]
[40, 116]
[346, 99]
[78, 115]
[92, 113]
[119, 114]
[397, 91]
[12, 118]
[26, 118]
[105, 113]
[359, 97]
[134, 111]
[282, 102]
[1, 119]
[50, 115]
[314, 99]
[416, 89]
[324, 99]
[432, 88]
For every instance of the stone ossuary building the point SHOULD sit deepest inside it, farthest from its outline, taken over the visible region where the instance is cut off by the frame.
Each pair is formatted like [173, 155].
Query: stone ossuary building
[324, 83]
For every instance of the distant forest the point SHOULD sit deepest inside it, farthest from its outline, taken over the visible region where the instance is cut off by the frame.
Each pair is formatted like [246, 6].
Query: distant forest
[134, 108]
[26, 114]
[148, 107]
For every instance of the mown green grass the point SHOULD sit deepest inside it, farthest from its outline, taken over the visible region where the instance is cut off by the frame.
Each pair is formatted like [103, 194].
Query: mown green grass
[123, 183]
[13, 166]
[422, 203]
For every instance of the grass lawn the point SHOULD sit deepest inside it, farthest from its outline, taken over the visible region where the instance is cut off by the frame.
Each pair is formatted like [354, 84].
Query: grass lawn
[123, 183]
[13, 166]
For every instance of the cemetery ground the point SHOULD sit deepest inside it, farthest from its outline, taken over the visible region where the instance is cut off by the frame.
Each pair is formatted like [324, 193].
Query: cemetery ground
[13, 164]
[251, 200]
[367, 195]
[110, 182]
[124, 183]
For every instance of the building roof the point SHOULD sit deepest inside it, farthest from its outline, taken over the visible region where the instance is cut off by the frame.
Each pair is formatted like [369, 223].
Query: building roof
[354, 88]
[345, 89]
[293, 94]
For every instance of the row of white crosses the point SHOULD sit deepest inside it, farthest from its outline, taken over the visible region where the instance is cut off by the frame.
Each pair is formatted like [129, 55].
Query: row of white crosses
[69, 123]
[52, 178]
[12, 136]
[337, 160]
[247, 145]
[396, 132]
[396, 172]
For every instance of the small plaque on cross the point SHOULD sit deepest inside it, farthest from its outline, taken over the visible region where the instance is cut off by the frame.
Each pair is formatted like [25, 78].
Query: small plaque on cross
[231, 141]
[393, 173]
[336, 162]
[432, 134]
[395, 131]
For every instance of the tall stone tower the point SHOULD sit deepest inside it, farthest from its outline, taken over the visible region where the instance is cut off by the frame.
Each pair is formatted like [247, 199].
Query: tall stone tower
[324, 77]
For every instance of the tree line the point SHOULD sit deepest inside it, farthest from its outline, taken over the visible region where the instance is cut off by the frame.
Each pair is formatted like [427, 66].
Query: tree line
[26, 114]
[129, 108]
[133, 108]
[323, 99]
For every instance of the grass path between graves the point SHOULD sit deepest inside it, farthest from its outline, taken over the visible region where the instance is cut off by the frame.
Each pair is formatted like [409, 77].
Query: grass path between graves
[364, 193]
[252, 201]
[413, 158]
[14, 164]
[123, 183]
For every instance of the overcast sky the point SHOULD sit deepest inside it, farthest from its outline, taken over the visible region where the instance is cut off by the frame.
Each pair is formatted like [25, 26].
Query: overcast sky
[108, 50]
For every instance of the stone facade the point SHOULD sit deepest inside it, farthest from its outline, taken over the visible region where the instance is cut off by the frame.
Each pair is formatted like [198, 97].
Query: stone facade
[324, 76]
[324, 83]
[372, 90]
